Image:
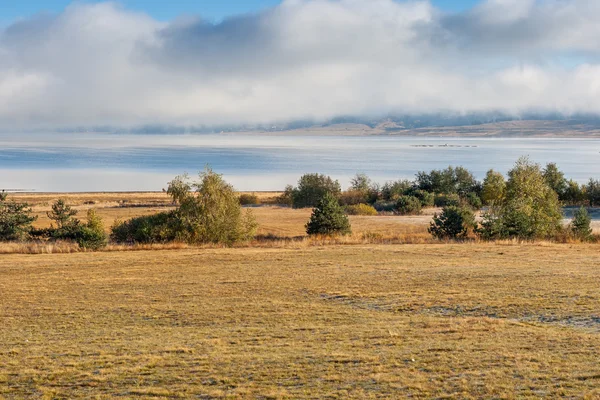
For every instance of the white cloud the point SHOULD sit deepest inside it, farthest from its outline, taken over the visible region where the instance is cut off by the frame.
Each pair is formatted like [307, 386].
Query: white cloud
[102, 64]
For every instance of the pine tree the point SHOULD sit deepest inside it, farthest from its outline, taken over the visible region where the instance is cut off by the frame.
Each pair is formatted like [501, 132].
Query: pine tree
[15, 219]
[63, 214]
[580, 225]
[453, 223]
[328, 218]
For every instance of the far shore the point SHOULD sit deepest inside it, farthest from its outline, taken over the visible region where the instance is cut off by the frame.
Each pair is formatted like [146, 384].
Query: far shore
[511, 129]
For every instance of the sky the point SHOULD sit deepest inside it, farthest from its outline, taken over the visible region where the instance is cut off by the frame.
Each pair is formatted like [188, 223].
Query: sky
[137, 62]
[214, 10]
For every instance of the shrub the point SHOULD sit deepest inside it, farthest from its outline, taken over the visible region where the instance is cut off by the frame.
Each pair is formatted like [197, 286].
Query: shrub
[473, 201]
[90, 235]
[361, 209]
[15, 219]
[408, 205]
[453, 223]
[491, 227]
[580, 224]
[445, 200]
[155, 228]
[328, 218]
[93, 235]
[385, 206]
[287, 197]
[353, 197]
[311, 189]
[249, 199]
[91, 239]
[427, 199]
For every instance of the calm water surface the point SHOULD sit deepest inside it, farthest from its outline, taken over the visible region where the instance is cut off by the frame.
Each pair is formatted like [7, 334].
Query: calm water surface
[103, 162]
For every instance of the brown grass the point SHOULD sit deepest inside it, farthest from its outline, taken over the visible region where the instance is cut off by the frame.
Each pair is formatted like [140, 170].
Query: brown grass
[114, 199]
[422, 321]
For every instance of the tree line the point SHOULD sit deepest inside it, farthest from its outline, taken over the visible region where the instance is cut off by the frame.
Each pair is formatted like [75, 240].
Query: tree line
[525, 205]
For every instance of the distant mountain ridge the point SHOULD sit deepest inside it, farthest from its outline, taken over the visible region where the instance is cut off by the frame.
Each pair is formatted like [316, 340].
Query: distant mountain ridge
[423, 125]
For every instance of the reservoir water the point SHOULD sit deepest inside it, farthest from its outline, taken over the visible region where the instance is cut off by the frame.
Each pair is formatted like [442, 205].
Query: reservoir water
[62, 162]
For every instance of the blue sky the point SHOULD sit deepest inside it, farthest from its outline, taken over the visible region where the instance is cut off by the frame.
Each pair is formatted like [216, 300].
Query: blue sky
[166, 10]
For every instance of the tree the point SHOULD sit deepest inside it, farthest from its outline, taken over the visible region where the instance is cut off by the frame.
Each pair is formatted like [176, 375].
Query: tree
[361, 183]
[287, 197]
[556, 180]
[393, 190]
[209, 210]
[453, 223]
[62, 214]
[328, 218]
[427, 199]
[443, 200]
[593, 192]
[575, 193]
[463, 181]
[311, 188]
[580, 224]
[452, 180]
[362, 186]
[15, 219]
[530, 208]
[493, 188]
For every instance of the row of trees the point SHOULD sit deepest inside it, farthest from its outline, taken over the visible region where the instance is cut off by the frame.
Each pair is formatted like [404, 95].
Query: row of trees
[526, 206]
[453, 186]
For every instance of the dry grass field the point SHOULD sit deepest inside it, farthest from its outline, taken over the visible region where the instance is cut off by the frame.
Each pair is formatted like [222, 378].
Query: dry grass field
[420, 321]
[273, 220]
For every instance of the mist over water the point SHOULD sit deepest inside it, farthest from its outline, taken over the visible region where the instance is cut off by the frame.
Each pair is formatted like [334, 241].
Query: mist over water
[107, 162]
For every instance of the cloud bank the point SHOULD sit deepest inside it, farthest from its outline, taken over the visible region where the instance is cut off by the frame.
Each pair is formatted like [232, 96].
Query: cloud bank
[103, 64]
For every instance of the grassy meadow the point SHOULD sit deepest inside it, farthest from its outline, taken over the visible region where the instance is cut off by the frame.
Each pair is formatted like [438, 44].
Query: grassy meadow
[422, 321]
[291, 317]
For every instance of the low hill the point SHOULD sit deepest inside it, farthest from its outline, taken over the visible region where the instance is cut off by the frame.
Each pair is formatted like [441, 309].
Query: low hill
[526, 128]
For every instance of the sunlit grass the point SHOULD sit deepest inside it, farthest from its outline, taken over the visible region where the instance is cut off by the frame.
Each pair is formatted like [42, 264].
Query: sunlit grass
[377, 321]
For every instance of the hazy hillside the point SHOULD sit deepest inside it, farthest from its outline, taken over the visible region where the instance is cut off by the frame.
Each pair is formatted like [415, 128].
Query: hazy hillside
[532, 128]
